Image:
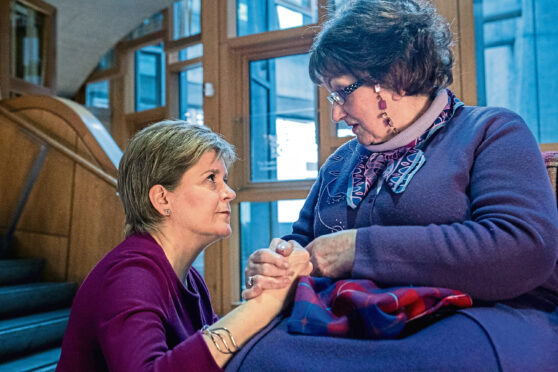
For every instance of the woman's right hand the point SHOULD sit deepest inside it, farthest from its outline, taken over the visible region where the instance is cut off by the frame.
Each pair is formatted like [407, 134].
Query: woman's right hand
[273, 268]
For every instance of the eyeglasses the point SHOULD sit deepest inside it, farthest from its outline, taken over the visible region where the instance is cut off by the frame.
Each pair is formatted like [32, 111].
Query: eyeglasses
[340, 96]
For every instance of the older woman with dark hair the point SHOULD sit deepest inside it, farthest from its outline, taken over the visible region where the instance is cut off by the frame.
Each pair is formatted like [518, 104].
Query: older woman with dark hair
[144, 307]
[430, 193]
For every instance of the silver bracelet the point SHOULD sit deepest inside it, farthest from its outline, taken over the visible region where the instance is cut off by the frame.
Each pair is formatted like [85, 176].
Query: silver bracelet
[213, 334]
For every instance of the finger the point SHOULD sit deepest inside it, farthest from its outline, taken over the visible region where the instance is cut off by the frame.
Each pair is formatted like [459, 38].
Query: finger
[250, 293]
[262, 256]
[315, 267]
[275, 242]
[266, 282]
[310, 247]
[309, 269]
[295, 244]
[299, 255]
[285, 248]
[265, 270]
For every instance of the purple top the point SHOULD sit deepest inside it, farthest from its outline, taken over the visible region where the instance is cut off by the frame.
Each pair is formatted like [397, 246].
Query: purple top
[132, 313]
[479, 216]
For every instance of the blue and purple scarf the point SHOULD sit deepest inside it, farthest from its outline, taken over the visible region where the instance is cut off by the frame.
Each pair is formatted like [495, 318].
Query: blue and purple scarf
[396, 167]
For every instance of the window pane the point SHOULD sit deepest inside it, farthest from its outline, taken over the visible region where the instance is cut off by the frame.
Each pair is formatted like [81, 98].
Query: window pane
[191, 95]
[343, 130]
[262, 221]
[187, 18]
[106, 62]
[148, 26]
[27, 46]
[282, 120]
[517, 60]
[190, 52]
[256, 16]
[198, 263]
[97, 100]
[150, 77]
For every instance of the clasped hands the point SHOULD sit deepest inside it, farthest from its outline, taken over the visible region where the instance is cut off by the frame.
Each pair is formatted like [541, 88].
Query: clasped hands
[279, 265]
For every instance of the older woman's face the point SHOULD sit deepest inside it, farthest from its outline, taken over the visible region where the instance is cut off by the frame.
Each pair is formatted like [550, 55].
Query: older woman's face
[201, 203]
[360, 111]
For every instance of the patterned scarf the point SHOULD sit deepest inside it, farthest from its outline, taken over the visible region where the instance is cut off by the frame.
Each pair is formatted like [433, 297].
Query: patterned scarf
[396, 167]
[358, 308]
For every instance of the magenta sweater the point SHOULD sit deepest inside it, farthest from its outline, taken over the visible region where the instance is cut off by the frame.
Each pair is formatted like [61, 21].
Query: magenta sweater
[132, 313]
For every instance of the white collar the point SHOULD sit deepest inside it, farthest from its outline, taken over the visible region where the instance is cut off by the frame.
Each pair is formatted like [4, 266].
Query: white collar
[415, 129]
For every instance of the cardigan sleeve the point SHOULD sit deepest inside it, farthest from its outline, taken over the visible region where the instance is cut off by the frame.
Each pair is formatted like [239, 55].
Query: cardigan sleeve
[130, 329]
[303, 228]
[509, 245]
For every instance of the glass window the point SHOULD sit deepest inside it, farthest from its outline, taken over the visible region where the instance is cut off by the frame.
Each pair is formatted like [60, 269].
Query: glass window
[150, 77]
[256, 16]
[191, 94]
[343, 130]
[186, 54]
[262, 221]
[187, 18]
[97, 100]
[97, 94]
[517, 60]
[198, 263]
[107, 61]
[192, 52]
[283, 143]
[27, 43]
[148, 26]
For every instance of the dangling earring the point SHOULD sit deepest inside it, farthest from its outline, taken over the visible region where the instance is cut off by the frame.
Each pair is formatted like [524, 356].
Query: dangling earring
[383, 106]
[167, 212]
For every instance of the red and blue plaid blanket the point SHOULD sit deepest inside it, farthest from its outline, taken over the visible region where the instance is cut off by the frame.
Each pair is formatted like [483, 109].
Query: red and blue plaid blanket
[360, 309]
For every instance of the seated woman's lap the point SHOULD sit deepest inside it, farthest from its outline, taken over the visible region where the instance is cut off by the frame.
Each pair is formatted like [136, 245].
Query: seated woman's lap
[456, 342]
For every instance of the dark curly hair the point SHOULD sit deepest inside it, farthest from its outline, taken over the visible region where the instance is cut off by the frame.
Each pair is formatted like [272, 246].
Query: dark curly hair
[405, 45]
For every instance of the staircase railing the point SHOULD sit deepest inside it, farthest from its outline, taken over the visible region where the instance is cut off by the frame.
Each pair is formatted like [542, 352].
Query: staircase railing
[72, 215]
[44, 141]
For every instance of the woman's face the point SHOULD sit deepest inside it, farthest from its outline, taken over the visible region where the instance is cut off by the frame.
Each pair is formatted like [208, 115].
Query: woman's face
[201, 203]
[361, 111]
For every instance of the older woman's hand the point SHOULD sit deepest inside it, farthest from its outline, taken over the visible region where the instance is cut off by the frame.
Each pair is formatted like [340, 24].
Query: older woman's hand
[269, 268]
[333, 255]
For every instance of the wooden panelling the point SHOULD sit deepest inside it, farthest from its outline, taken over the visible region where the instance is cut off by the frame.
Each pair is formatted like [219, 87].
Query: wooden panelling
[52, 125]
[97, 223]
[17, 154]
[50, 247]
[5, 26]
[213, 275]
[214, 255]
[549, 146]
[119, 128]
[48, 208]
[449, 10]
[71, 116]
[139, 120]
[73, 215]
[467, 56]
[86, 153]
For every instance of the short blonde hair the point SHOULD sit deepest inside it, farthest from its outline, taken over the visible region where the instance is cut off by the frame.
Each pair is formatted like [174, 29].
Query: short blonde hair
[159, 155]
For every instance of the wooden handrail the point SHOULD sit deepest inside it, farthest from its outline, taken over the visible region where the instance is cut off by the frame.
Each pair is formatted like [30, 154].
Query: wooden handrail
[25, 125]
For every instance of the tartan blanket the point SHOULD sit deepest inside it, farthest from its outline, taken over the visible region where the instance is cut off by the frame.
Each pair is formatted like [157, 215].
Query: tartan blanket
[360, 309]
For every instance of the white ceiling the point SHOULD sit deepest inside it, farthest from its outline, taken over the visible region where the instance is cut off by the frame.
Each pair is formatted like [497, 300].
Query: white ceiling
[87, 29]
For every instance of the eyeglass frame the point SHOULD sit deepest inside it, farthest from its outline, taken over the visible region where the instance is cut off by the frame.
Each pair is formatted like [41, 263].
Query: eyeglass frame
[339, 96]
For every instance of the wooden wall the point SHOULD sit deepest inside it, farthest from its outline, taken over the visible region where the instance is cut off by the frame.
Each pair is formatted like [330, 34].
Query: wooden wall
[73, 216]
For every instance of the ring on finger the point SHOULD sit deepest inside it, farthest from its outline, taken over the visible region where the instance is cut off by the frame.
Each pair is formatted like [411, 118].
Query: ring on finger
[251, 281]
